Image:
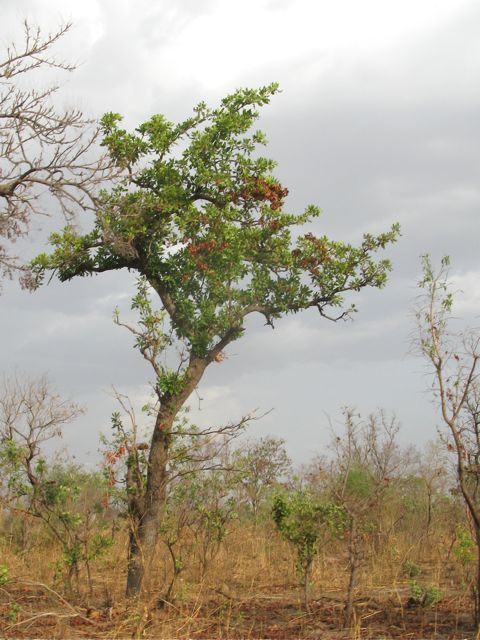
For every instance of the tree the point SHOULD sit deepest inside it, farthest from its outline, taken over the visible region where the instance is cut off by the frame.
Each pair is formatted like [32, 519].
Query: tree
[305, 521]
[259, 465]
[200, 217]
[366, 458]
[32, 414]
[42, 149]
[431, 468]
[453, 359]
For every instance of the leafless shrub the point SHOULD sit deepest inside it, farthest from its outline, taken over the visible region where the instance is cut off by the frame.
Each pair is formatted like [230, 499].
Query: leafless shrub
[43, 149]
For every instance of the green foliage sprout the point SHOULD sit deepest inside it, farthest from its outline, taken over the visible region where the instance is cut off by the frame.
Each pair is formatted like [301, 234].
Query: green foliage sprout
[3, 575]
[304, 521]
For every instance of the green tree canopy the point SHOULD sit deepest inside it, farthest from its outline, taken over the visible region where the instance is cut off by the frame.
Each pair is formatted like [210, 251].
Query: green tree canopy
[201, 217]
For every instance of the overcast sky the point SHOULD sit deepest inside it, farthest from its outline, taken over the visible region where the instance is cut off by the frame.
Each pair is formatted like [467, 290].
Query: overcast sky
[377, 122]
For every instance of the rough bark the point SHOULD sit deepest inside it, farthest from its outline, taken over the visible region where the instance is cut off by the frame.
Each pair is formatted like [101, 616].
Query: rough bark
[144, 539]
[354, 562]
[306, 583]
[144, 533]
[476, 591]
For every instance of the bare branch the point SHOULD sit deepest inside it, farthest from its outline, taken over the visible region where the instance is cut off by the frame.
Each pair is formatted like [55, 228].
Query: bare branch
[43, 150]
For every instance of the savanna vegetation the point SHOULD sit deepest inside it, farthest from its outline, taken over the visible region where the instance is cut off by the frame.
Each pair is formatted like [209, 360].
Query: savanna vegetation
[187, 532]
[368, 540]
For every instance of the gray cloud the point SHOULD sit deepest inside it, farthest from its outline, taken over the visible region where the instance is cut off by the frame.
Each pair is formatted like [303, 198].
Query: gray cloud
[372, 138]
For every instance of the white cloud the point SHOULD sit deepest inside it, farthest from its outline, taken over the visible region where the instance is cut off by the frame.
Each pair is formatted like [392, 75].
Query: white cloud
[216, 49]
[215, 405]
[467, 297]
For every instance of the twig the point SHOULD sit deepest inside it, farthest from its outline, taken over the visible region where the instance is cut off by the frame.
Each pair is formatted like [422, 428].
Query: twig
[46, 614]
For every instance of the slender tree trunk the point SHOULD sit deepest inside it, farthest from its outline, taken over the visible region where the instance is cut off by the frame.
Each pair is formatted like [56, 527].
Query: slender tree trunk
[429, 513]
[143, 543]
[471, 502]
[135, 562]
[89, 577]
[144, 533]
[354, 562]
[476, 593]
[306, 583]
[176, 572]
[351, 587]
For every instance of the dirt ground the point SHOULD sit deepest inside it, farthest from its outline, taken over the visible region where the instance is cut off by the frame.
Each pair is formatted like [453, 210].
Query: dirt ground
[40, 612]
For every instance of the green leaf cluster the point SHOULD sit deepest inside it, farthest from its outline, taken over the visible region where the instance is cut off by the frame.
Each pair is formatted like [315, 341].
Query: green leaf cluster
[464, 547]
[304, 521]
[424, 595]
[201, 217]
[3, 575]
[359, 482]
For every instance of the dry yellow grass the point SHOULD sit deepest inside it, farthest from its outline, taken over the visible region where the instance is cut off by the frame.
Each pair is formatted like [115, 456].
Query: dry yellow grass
[250, 590]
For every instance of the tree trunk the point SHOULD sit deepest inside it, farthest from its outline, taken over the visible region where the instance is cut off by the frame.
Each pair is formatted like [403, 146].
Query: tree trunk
[354, 562]
[476, 591]
[351, 587]
[471, 502]
[144, 532]
[306, 583]
[135, 563]
[429, 513]
[176, 572]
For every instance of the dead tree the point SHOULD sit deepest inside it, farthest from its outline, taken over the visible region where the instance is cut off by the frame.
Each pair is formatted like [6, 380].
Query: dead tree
[44, 150]
[454, 360]
[366, 458]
